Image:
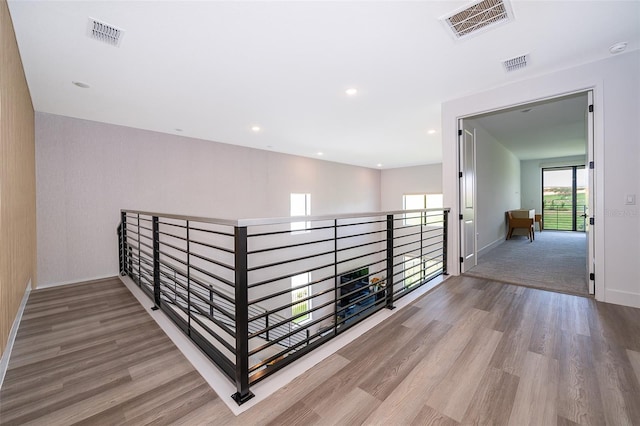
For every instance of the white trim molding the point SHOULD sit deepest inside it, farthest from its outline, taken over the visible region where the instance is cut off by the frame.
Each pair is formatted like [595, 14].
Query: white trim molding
[6, 355]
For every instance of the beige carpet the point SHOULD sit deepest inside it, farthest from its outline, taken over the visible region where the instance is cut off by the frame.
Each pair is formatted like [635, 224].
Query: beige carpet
[554, 261]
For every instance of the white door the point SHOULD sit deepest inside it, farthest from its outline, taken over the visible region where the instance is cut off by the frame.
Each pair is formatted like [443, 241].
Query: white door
[589, 191]
[468, 256]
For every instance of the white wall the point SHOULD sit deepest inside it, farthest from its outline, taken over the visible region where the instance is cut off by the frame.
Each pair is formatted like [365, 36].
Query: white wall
[531, 182]
[616, 85]
[498, 187]
[395, 183]
[87, 171]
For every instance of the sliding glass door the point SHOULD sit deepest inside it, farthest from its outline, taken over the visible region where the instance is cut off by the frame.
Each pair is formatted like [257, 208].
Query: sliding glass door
[564, 202]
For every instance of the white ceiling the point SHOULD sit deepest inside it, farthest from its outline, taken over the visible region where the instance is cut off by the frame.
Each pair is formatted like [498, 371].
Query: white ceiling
[547, 129]
[216, 68]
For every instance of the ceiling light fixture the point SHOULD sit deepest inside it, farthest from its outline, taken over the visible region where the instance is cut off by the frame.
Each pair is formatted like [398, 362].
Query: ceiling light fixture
[431, 132]
[81, 84]
[618, 48]
[320, 154]
[256, 128]
[379, 164]
[351, 91]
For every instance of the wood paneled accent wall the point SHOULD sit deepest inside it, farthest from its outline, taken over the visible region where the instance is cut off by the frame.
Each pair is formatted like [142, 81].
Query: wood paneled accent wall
[17, 179]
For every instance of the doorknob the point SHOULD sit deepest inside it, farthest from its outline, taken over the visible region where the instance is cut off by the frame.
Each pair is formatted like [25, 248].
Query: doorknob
[584, 215]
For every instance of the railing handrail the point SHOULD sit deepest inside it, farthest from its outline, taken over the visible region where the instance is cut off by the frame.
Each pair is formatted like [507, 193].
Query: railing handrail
[279, 220]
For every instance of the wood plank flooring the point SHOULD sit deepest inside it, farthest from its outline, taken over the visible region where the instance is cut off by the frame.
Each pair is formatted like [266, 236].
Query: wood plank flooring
[470, 352]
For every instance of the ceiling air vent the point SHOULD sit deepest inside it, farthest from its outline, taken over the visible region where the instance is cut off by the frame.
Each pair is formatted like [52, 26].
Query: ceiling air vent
[104, 32]
[481, 15]
[516, 63]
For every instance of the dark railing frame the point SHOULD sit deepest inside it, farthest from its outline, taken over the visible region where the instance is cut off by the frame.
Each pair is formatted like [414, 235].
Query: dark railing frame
[151, 281]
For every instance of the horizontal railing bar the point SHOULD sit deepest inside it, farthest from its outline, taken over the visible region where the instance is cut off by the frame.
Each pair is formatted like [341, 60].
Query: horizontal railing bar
[293, 274]
[306, 243]
[289, 305]
[295, 259]
[224, 249]
[206, 259]
[197, 280]
[201, 311]
[224, 327]
[371, 253]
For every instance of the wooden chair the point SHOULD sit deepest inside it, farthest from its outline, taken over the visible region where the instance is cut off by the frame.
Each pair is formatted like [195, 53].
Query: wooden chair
[522, 223]
[539, 220]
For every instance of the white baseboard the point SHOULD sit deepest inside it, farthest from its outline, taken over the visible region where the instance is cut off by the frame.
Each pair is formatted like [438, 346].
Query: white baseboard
[490, 246]
[83, 280]
[223, 386]
[625, 298]
[6, 355]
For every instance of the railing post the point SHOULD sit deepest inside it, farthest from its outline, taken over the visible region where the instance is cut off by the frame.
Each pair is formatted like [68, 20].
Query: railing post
[156, 261]
[266, 326]
[445, 244]
[243, 393]
[122, 239]
[389, 285]
[336, 293]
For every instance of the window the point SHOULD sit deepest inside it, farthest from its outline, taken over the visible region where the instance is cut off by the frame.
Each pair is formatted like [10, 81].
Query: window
[300, 292]
[412, 271]
[415, 271]
[300, 206]
[423, 201]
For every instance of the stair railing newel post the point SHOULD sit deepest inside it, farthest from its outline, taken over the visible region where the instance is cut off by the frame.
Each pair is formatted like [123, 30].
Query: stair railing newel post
[336, 300]
[389, 284]
[445, 233]
[243, 393]
[156, 261]
[122, 239]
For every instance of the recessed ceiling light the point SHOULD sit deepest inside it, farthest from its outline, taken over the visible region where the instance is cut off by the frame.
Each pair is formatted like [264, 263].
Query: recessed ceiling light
[379, 164]
[255, 128]
[618, 48]
[351, 91]
[320, 154]
[431, 132]
[81, 84]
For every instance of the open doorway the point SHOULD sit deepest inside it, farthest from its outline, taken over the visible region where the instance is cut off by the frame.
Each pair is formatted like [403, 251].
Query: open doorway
[533, 159]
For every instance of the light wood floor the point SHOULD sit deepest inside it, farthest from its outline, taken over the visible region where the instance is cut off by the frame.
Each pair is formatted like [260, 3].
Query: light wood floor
[469, 352]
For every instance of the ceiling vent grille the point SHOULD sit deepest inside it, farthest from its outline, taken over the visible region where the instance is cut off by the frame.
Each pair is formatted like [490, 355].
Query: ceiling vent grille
[104, 32]
[516, 63]
[479, 16]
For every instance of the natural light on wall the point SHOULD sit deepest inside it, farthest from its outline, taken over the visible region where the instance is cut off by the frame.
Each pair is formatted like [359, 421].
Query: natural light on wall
[422, 201]
[300, 206]
[300, 297]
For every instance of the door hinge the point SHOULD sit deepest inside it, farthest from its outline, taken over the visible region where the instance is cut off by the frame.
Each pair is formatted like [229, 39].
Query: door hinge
[592, 276]
[462, 260]
[461, 217]
[590, 108]
[592, 221]
[459, 132]
[591, 165]
[460, 174]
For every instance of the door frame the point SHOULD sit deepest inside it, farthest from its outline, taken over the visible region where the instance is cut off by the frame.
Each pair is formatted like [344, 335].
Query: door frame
[595, 186]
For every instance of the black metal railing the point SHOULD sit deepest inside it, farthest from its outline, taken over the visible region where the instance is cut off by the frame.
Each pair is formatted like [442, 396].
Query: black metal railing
[565, 217]
[255, 295]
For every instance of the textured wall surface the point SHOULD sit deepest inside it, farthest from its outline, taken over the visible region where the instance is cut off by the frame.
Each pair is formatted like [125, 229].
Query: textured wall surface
[17, 180]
